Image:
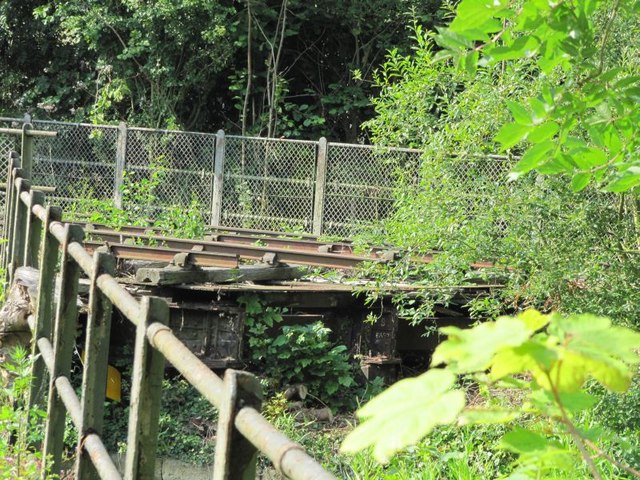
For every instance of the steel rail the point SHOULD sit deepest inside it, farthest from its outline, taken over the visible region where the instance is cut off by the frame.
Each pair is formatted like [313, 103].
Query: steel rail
[219, 250]
[245, 231]
[274, 245]
[288, 243]
[164, 254]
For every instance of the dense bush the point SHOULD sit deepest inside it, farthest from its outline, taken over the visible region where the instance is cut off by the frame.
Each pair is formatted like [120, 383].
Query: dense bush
[297, 354]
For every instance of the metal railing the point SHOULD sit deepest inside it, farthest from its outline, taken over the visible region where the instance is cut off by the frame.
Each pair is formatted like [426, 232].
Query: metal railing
[35, 235]
[317, 187]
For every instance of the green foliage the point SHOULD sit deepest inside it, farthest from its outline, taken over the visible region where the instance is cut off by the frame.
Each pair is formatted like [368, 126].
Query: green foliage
[566, 251]
[547, 358]
[19, 427]
[202, 64]
[187, 423]
[140, 206]
[586, 125]
[297, 354]
[187, 419]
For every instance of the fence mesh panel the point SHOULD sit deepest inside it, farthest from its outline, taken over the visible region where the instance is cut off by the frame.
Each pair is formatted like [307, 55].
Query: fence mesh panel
[79, 162]
[178, 165]
[268, 184]
[8, 143]
[360, 185]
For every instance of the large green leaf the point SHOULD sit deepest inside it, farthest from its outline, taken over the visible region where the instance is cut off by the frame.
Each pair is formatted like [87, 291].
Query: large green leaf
[472, 350]
[534, 156]
[532, 356]
[624, 181]
[524, 441]
[511, 133]
[405, 412]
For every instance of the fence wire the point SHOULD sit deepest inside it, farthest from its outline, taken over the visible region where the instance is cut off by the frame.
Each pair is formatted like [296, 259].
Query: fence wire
[79, 162]
[360, 184]
[268, 184]
[179, 164]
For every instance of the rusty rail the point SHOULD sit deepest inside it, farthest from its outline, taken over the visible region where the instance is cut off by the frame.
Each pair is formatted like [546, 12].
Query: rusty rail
[35, 236]
[206, 252]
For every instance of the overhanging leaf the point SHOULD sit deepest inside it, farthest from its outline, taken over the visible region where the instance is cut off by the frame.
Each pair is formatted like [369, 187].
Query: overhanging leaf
[534, 156]
[472, 350]
[406, 412]
[511, 133]
[626, 180]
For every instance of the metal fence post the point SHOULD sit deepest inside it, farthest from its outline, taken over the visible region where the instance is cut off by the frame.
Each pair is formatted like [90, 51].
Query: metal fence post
[96, 356]
[320, 187]
[64, 339]
[218, 180]
[44, 305]
[236, 457]
[146, 393]
[121, 161]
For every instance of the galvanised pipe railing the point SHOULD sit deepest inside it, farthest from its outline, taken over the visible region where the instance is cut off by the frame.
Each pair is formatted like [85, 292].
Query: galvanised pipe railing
[35, 236]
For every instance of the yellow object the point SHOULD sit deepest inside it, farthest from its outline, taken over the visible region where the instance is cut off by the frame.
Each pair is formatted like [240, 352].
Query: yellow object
[114, 381]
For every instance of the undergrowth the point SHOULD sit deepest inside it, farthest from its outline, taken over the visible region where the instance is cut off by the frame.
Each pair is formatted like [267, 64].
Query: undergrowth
[142, 205]
[18, 426]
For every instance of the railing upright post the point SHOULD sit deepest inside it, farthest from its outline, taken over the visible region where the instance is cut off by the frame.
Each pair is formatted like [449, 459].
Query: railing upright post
[321, 185]
[96, 353]
[21, 217]
[33, 230]
[146, 393]
[14, 163]
[121, 161]
[236, 457]
[64, 335]
[218, 180]
[44, 306]
[27, 149]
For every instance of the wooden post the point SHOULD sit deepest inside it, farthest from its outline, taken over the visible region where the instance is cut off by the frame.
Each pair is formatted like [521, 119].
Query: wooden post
[121, 161]
[146, 393]
[44, 305]
[218, 180]
[27, 150]
[321, 184]
[96, 357]
[14, 163]
[236, 457]
[33, 230]
[16, 255]
[64, 339]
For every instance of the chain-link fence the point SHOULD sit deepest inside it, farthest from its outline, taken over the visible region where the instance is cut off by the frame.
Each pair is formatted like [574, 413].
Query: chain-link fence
[177, 166]
[268, 184]
[360, 183]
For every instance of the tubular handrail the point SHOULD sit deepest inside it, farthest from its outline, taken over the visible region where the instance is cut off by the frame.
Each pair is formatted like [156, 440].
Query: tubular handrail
[34, 225]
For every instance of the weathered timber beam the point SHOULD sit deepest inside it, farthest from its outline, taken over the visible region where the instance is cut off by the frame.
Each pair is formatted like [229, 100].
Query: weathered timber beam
[176, 276]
